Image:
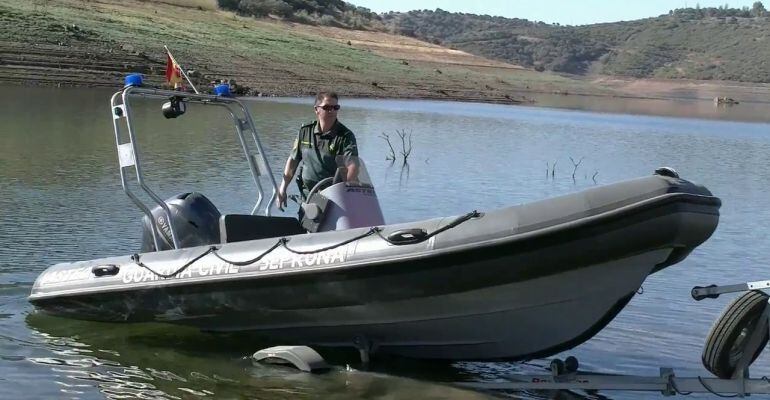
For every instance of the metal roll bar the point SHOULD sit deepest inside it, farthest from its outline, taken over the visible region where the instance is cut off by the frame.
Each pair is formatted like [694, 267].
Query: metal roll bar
[128, 151]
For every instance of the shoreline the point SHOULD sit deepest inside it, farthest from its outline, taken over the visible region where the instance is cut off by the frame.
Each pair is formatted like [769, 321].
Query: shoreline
[763, 98]
[690, 108]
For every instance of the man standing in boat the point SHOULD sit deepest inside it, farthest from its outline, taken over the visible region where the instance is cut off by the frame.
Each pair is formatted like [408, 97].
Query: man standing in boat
[318, 145]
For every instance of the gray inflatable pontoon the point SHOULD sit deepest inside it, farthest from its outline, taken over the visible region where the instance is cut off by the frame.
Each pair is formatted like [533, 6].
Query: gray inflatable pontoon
[515, 283]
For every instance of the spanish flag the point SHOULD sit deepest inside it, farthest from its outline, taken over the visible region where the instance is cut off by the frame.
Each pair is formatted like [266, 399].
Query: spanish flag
[173, 73]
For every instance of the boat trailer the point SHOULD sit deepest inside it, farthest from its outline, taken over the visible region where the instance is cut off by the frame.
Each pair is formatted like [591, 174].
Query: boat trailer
[668, 384]
[741, 333]
[735, 341]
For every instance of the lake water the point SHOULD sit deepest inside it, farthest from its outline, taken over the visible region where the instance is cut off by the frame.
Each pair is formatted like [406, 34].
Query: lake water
[61, 200]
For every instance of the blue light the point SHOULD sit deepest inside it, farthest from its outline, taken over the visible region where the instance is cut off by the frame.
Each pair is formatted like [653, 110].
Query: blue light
[133, 80]
[222, 90]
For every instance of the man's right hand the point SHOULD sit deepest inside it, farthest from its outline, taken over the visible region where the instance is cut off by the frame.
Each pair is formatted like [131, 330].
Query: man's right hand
[280, 201]
[288, 173]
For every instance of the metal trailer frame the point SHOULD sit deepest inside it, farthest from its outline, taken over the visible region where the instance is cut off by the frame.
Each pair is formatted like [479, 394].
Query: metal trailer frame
[667, 383]
[129, 155]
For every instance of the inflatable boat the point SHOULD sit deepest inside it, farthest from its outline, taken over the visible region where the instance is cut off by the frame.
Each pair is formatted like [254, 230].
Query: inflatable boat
[515, 283]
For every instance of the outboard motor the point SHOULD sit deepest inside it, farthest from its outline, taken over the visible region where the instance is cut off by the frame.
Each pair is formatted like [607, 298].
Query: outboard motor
[195, 219]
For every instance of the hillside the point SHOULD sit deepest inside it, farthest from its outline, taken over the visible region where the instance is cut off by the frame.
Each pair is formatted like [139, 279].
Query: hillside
[694, 43]
[95, 43]
[715, 43]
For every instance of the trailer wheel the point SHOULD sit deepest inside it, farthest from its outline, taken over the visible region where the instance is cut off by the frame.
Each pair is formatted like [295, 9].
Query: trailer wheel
[557, 367]
[729, 335]
[571, 364]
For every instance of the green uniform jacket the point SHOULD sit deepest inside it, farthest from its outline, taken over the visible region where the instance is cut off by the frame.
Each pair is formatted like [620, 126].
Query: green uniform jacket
[318, 152]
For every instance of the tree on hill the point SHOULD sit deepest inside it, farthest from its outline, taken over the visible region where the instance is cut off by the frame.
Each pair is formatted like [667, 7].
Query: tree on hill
[261, 8]
[321, 12]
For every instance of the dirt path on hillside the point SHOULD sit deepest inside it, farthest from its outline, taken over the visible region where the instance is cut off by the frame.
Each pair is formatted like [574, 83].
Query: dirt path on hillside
[402, 47]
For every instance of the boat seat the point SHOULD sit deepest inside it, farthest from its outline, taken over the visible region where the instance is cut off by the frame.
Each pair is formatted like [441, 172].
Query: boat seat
[239, 227]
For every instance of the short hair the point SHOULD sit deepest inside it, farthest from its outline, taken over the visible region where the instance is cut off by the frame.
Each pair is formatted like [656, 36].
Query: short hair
[319, 98]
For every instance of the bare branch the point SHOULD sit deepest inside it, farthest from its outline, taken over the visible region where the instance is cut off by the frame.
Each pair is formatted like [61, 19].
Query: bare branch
[392, 156]
[575, 165]
[406, 144]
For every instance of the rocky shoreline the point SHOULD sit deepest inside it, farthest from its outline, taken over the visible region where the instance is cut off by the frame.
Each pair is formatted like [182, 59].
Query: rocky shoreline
[67, 65]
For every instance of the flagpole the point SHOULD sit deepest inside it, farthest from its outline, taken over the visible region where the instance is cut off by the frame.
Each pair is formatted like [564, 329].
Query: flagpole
[181, 69]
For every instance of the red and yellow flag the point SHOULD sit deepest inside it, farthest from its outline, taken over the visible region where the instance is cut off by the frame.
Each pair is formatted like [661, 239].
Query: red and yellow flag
[173, 73]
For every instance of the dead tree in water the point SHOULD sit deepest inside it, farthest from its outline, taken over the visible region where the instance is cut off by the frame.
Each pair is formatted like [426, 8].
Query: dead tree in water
[550, 170]
[406, 150]
[576, 165]
[392, 156]
[406, 145]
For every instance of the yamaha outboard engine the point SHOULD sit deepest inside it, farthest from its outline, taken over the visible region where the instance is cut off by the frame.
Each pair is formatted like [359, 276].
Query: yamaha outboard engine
[195, 219]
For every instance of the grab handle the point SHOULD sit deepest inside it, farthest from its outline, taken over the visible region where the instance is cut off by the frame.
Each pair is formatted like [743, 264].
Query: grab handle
[407, 236]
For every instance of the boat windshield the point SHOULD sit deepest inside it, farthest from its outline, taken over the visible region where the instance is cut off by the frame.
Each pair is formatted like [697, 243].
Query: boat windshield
[352, 170]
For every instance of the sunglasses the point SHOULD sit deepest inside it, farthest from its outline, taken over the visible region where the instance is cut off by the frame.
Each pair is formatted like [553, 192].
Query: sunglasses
[330, 107]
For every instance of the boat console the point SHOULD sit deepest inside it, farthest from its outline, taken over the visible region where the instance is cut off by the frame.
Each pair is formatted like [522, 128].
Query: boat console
[348, 200]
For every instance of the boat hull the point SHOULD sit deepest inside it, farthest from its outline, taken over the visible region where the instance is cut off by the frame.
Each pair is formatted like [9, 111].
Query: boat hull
[522, 289]
[528, 321]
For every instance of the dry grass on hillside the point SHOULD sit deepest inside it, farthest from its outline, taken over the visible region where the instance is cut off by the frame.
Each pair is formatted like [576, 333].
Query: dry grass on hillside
[95, 43]
[399, 47]
[387, 45]
[200, 4]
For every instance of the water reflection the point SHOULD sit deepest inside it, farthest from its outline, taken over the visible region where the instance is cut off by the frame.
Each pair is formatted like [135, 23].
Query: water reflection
[156, 361]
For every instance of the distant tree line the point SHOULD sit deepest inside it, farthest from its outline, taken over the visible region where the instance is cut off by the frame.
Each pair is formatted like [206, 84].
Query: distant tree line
[699, 43]
[756, 10]
[315, 12]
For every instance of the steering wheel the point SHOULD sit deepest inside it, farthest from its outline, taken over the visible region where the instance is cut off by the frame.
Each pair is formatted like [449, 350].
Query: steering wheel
[322, 183]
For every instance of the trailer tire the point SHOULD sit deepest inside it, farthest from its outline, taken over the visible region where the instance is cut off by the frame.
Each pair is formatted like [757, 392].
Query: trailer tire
[730, 333]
